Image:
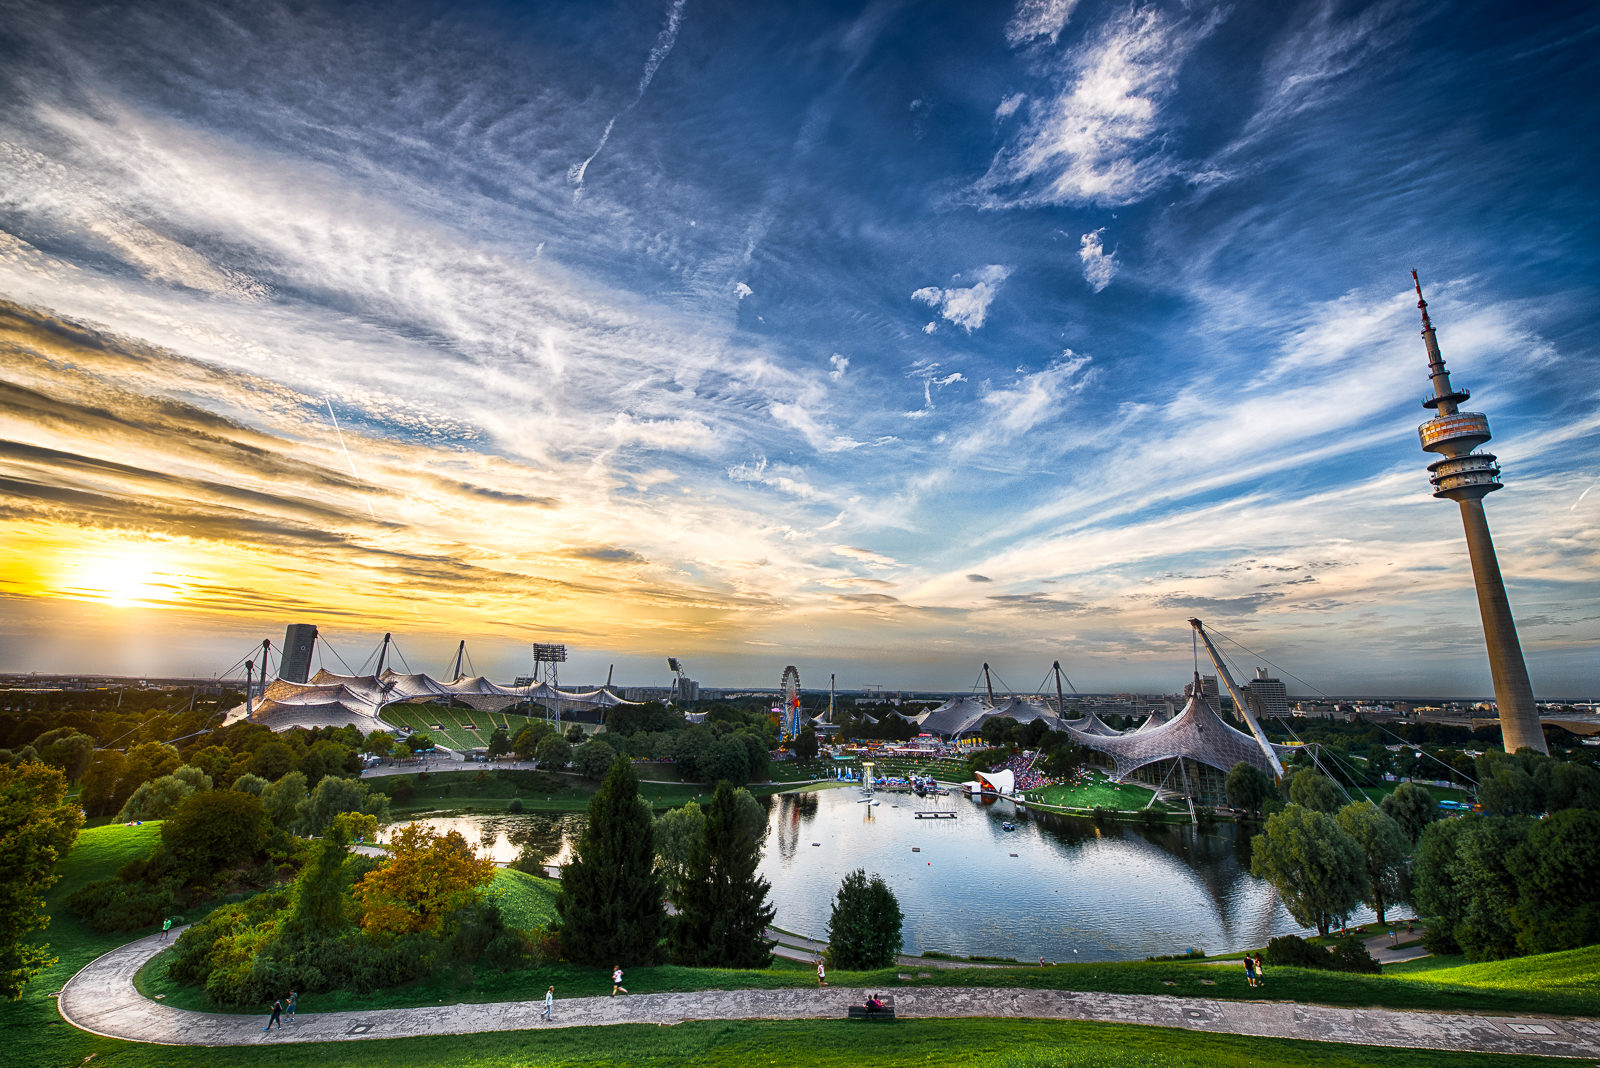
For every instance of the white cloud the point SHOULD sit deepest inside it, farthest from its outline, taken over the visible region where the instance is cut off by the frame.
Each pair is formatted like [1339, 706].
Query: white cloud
[1035, 397]
[930, 328]
[840, 365]
[969, 307]
[874, 560]
[1038, 18]
[1098, 265]
[742, 290]
[1008, 107]
[1100, 140]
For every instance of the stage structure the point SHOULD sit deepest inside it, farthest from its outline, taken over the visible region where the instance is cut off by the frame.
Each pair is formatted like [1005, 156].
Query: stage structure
[1466, 477]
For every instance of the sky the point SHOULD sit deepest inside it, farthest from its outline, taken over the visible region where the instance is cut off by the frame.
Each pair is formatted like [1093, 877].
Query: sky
[880, 339]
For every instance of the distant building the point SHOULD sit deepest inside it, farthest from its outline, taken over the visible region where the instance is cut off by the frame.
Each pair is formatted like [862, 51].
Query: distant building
[298, 641]
[1208, 687]
[688, 690]
[1267, 697]
[650, 693]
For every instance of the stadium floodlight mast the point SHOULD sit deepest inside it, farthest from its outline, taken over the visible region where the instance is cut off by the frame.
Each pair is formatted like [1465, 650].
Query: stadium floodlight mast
[552, 655]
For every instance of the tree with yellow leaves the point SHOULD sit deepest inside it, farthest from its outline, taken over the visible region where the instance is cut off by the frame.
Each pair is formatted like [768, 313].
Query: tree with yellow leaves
[427, 877]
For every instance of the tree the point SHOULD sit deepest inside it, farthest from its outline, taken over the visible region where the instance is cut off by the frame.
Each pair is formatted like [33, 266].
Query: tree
[610, 902]
[378, 743]
[100, 782]
[676, 832]
[499, 744]
[1509, 791]
[593, 758]
[1486, 931]
[525, 743]
[36, 830]
[1568, 785]
[68, 749]
[214, 830]
[1557, 870]
[155, 800]
[1314, 790]
[1383, 849]
[805, 746]
[1316, 867]
[282, 799]
[419, 742]
[272, 760]
[1412, 808]
[554, 752]
[864, 929]
[1437, 891]
[1247, 787]
[333, 796]
[427, 877]
[574, 734]
[723, 910]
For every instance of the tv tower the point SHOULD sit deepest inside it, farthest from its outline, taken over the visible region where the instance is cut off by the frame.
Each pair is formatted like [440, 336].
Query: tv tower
[1466, 477]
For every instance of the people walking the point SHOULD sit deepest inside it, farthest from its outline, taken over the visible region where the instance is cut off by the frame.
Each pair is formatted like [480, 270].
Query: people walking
[166, 926]
[1261, 971]
[822, 972]
[277, 1017]
[616, 980]
[1250, 970]
[549, 1002]
[294, 997]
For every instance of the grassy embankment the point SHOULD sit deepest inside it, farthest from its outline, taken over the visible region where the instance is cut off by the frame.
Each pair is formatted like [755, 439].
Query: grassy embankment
[36, 1037]
[32, 1033]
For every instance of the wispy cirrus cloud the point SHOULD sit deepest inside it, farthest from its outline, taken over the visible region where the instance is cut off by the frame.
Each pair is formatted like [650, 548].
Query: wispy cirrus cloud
[1100, 138]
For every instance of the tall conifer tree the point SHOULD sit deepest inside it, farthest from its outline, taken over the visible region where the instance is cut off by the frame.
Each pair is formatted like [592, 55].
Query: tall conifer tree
[611, 897]
[724, 912]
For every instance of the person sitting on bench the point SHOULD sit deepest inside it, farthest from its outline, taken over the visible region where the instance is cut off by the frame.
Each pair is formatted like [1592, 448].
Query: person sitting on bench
[873, 1004]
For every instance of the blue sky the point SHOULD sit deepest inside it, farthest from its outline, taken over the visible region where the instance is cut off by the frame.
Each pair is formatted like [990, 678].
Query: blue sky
[882, 339]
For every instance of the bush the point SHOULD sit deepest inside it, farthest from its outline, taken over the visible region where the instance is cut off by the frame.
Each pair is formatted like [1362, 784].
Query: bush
[401, 790]
[1350, 955]
[515, 806]
[111, 906]
[1292, 951]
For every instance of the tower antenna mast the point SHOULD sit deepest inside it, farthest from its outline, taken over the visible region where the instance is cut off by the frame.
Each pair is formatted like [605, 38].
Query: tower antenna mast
[1466, 477]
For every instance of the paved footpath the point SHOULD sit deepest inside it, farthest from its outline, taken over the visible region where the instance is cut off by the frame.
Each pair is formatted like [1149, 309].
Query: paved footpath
[101, 998]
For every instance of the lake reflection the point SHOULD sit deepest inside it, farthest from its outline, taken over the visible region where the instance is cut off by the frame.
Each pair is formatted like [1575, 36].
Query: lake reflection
[1074, 889]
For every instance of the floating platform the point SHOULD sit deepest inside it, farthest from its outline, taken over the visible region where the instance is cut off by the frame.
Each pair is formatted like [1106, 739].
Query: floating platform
[934, 815]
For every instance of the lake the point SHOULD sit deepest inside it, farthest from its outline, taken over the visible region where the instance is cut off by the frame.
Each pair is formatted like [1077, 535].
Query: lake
[1074, 890]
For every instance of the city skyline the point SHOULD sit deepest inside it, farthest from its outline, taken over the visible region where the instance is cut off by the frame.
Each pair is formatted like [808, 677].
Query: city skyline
[878, 339]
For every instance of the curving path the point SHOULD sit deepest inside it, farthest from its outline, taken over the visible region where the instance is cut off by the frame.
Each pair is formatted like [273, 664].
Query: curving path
[101, 998]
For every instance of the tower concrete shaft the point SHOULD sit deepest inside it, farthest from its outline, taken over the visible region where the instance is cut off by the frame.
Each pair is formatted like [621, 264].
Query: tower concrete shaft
[1466, 477]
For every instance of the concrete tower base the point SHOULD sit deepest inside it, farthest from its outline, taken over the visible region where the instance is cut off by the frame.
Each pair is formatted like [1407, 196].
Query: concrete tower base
[1513, 693]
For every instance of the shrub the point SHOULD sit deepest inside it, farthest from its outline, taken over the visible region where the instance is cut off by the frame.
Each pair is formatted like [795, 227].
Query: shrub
[515, 806]
[1350, 955]
[1292, 951]
[401, 790]
[110, 906]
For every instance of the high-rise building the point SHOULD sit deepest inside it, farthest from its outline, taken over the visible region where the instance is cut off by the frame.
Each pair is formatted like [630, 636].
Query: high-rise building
[1466, 477]
[298, 641]
[1267, 697]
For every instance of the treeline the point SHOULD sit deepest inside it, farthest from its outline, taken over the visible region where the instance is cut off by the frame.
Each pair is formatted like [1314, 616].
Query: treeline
[1522, 877]
[733, 744]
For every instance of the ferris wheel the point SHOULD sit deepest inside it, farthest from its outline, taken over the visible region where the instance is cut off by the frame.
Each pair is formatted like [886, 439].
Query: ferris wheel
[789, 702]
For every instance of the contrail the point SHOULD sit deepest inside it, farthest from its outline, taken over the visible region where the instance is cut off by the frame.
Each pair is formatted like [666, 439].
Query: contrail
[664, 42]
[347, 458]
[1581, 496]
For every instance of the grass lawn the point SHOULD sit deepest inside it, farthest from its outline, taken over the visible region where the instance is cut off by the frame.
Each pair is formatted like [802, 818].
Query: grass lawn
[31, 1031]
[1099, 792]
[1507, 994]
[526, 901]
[823, 1043]
[1574, 971]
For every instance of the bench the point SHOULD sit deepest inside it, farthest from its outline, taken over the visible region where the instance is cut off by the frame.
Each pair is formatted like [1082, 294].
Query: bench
[859, 1012]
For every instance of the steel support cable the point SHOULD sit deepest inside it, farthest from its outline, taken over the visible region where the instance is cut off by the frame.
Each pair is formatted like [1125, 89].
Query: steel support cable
[1314, 689]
